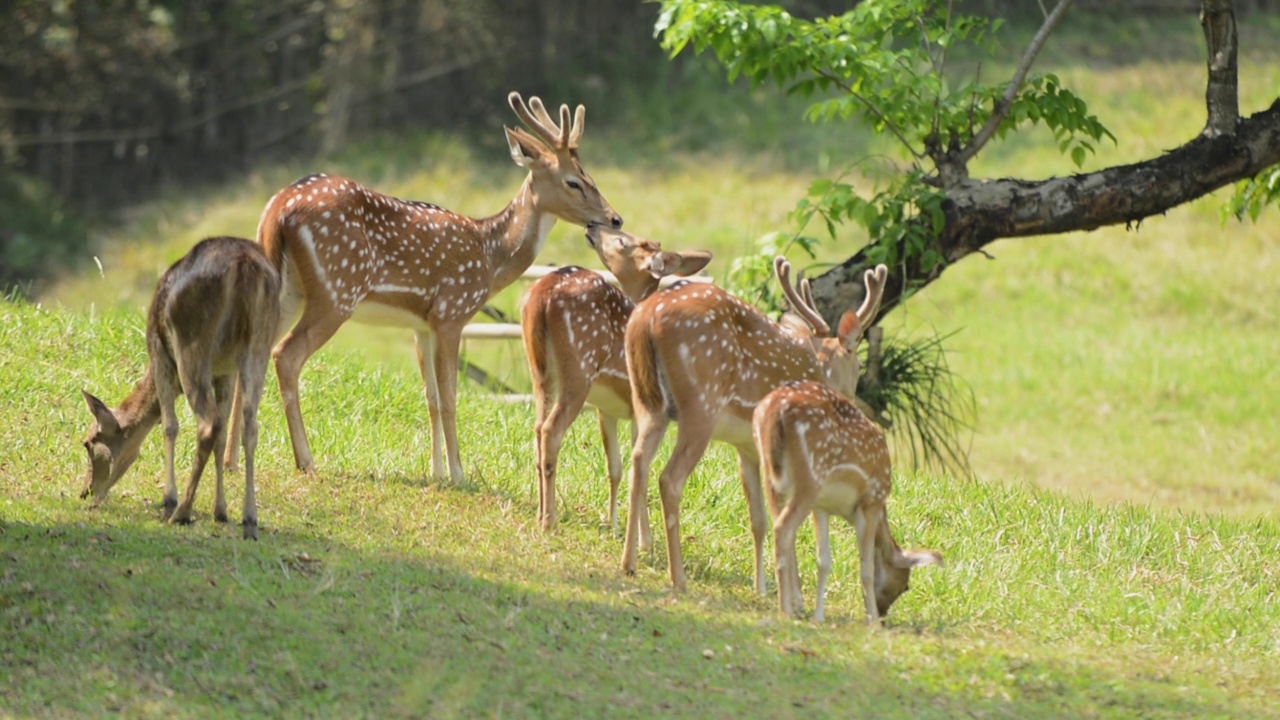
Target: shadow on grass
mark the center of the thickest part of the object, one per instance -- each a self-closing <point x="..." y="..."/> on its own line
<point x="148" y="620"/>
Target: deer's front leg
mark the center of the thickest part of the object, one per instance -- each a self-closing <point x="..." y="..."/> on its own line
<point x="749" y="468"/>
<point x="426" y="342"/>
<point x="448" y="343"/>
<point x="231" y="454"/>
<point x="822" y="531"/>
<point x="167" y="391"/>
<point x="613" y="463"/>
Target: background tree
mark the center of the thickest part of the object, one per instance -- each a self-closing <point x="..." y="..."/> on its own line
<point x="885" y="62"/>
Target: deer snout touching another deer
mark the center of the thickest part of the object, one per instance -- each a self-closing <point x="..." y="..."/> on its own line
<point x="574" y="323"/>
<point x="822" y="456"/>
<point x="212" y="319"/>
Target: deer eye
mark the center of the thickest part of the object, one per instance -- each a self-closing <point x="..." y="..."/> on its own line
<point x="573" y="184"/>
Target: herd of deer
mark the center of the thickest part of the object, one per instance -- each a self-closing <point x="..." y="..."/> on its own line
<point x="330" y="250"/>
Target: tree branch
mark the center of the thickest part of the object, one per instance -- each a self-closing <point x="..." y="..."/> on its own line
<point x="1002" y="109"/>
<point x="874" y="111"/>
<point x="982" y="211"/>
<point x="1221" y="96"/>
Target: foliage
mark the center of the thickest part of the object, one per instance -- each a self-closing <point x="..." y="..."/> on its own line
<point x="885" y="63"/>
<point x="38" y="232"/>
<point x="1252" y="195"/>
<point x="926" y="402"/>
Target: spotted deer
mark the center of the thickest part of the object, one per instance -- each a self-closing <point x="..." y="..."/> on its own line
<point x="211" y="320"/>
<point x="573" y="324"/>
<point x="702" y="357"/>
<point x="346" y="252"/>
<point x="822" y="456"/>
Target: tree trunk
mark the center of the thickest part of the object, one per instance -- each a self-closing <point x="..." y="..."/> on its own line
<point x="979" y="212"/>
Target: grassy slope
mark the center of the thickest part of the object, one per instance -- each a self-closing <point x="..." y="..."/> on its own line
<point x="373" y="593"/>
<point x="1128" y="367"/>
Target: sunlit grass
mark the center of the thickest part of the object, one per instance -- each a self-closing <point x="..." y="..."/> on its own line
<point x="376" y="591"/>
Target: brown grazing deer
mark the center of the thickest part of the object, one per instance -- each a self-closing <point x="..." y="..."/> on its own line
<point x="212" y="320"/>
<point x="574" y="322"/>
<point x="346" y="252"/>
<point x="704" y="358"/>
<point x="822" y="455"/>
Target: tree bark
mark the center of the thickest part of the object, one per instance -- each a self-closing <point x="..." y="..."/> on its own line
<point x="979" y="212"/>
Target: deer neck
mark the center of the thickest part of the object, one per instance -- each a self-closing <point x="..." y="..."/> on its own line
<point x="516" y="235"/>
<point x="140" y="411"/>
<point x="639" y="287"/>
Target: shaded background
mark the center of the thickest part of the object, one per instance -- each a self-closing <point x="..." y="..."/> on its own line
<point x="104" y="102"/>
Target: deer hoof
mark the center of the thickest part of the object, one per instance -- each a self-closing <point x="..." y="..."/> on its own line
<point x="250" y="529"/>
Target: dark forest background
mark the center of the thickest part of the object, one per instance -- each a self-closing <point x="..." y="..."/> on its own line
<point x="102" y="102"/>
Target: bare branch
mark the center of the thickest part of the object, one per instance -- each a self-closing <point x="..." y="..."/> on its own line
<point x="1221" y="94"/>
<point x="989" y="129"/>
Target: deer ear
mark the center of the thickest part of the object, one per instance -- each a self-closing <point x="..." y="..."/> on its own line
<point x="683" y="264"/>
<point x="526" y="151"/>
<point x="106" y="419"/>
<point x="850" y="330"/>
<point x="903" y="559"/>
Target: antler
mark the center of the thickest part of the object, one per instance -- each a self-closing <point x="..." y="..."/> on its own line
<point x="561" y="136"/>
<point x="875" y="282"/>
<point x="802" y="307"/>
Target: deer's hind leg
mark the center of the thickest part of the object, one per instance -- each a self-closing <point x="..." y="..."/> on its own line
<point x="198" y="386"/>
<point x="253" y="372"/>
<point x="224" y="389"/>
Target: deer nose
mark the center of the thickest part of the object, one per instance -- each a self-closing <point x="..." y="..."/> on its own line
<point x="616" y="221"/>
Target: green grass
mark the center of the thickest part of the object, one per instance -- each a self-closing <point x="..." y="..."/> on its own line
<point x="1117" y="553"/>
<point x="375" y="593"/>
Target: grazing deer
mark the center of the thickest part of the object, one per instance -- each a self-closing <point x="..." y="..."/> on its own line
<point x="822" y="455"/>
<point x="702" y="357"/>
<point x="574" y="322"/>
<point x="346" y="252"/>
<point x="211" y="321"/>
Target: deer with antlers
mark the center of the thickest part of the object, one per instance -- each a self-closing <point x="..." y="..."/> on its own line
<point x="574" y="322"/>
<point x="210" y="322"/>
<point x="822" y="455"/>
<point x="346" y="252"/>
<point x="702" y="357"/>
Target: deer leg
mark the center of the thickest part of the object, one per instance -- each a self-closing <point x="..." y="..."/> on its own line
<point x="165" y="375"/>
<point x="313" y="330"/>
<point x="252" y="377"/>
<point x="821" y="530"/>
<point x="425" y="343"/>
<point x="649" y="429"/>
<point x="613" y="463"/>
<point x="539" y="419"/>
<point x="692" y="438"/>
<point x="200" y="396"/>
<point x="230" y="455"/>
<point x="223" y="391"/>
<point x="749" y="469"/>
<point x="562" y="414"/>
<point x="448" y="343"/>
<point x="866" y="520"/>
<point x="785" y="563"/>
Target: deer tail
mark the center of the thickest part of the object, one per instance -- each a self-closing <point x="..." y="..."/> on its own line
<point x="642" y="365"/>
